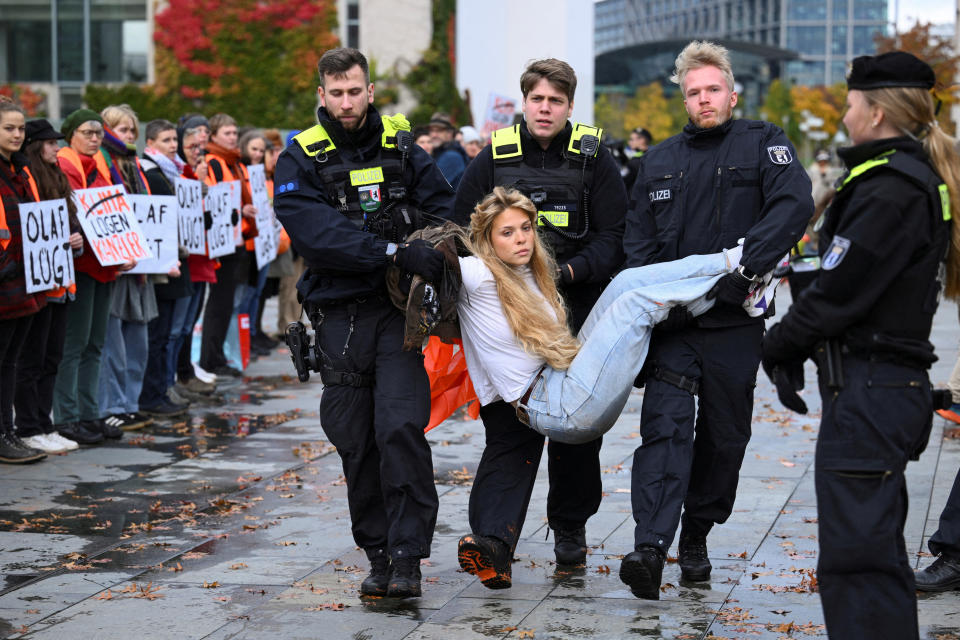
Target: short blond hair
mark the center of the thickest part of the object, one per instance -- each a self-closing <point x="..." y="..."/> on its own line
<point x="702" y="53"/>
<point x="115" y="113"/>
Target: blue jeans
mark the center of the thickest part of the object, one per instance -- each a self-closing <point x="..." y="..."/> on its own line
<point x="123" y="366"/>
<point x="182" y="333"/>
<point x="583" y="402"/>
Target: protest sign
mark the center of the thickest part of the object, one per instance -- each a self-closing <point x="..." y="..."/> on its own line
<point x="190" y="215"/>
<point x="236" y="201"/>
<point x="47" y="257"/>
<point x="157" y="216"/>
<point x="110" y="226"/>
<point x="499" y="114"/>
<point x="265" y="244"/>
<point x="220" y="234"/>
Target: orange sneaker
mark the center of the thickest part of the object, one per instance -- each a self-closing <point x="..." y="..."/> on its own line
<point x="487" y="558"/>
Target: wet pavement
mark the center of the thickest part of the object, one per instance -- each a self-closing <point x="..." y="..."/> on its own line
<point x="233" y="523"/>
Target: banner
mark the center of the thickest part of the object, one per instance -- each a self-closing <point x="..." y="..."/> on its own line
<point x="219" y="203"/>
<point x="110" y="226"/>
<point x="190" y="215"/>
<point x="47" y="257"/>
<point x="499" y="114"/>
<point x="265" y="244"/>
<point x="157" y="216"/>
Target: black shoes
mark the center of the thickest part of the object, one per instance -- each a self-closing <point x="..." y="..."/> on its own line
<point x="227" y="371"/>
<point x="487" y="558"/>
<point x="127" y="421"/>
<point x="694" y="564"/>
<point x="111" y="431"/>
<point x="404" y="578"/>
<point x="942" y="575"/>
<point x="642" y="571"/>
<point x="163" y="409"/>
<point x="78" y="433"/>
<point x="376" y="583"/>
<point x="14" y="451"/>
<point x="570" y="546"/>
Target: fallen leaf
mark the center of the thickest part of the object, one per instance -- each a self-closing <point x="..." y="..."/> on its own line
<point x="742" y="554"/>
<point x="239" y="565"/>
<point x="525" y="633"/>
<point x="106" y="595"/>
<point x="210" y="585"/>
<point x="787" y="463"/>
<point x="285" y="543"/>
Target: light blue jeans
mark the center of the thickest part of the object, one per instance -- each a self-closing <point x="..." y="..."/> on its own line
<point x="582" y="403"/>
<point x="123" y="366"/>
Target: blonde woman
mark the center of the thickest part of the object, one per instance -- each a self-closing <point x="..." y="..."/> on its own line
<point x="518" y="349"/>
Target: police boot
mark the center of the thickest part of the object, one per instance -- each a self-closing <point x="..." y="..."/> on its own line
<point x="942" y="575"/>
<point x="694" y="564"/>
<point x="375" y="584"/>
<point x="642" y="571"/>
<point x="487" y="558"/>
<point x="404" y="578"/>
<point x="570" y="546"/>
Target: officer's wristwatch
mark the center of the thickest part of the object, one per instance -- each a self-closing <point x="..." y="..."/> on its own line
<point x="391" y="249"/>
<point x="746" y="273"/>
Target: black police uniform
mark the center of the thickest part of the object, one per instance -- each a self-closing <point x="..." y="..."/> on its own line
<point x="508" y="468"/>
<point x="376" y="399"/>
<point x="866" y="320"/>
<point x="697" y="193"/>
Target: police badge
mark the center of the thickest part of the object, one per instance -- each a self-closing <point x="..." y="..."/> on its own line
<point x="780" y="154"/>
<point x="835" y="253"/>
<point x="369" y="197"/>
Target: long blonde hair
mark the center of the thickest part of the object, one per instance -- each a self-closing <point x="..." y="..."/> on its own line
<point x="539" y="333"/>
<point x="911" y="111"/>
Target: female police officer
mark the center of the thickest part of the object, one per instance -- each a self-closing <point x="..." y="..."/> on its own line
<point x="866" y="320"/>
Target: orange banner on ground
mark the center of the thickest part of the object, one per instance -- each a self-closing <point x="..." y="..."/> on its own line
<point x="450" y="384"/>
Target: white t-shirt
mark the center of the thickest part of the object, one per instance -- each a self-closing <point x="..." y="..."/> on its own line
<point x="499" y="367"/>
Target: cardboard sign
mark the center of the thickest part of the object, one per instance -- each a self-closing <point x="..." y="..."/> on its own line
<point x="236" y="201"/>
<point x="47" y="257"/>
<point x="219" y="203"/>
<point x="265" y="244"/>
<point x="110" y="226"/>
<point x="157" y="216"/>
<point x="190" y="215"/>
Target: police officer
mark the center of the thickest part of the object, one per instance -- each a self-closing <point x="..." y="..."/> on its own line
<point x="866" y="321"/>
<point x="348" y="190"/>
<point x="700" y="191"/>
<point x="576" y="185"/>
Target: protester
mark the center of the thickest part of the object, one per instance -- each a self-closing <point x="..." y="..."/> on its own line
<point x="421" y="137"/>
<point x="450" y="157"/>
<point x="866" y="320"/>
<point x="472" y="141"/>
<point x="37" y="366"/>
<point x="17" y="307"/>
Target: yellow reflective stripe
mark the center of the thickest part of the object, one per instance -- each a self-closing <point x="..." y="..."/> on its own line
<point x="360" y="177"/>
<point x="506" y="143"/>
<point x="944" y="200"/>
<point x="391" y="125"/>
<point x="556" y="218"/>
<point x="311" y="136"/>
<point x="863" y="167"/>
<point x="580" y="130"/>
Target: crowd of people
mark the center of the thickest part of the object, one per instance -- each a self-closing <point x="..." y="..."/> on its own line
<point x="574" y="277"/>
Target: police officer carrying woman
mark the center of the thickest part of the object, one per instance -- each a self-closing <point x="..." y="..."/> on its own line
<point x="866" y="321"/>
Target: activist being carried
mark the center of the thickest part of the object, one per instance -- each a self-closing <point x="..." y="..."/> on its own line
<point x="519" y="349"/>
<point x="348" y="191"/>
<point x="866" y="320"/>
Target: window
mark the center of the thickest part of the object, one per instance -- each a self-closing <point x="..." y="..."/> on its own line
<point x="353" y="24"/>
<point x="810" y="40"/>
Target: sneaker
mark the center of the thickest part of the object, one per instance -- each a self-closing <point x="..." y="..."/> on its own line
<point x="78" y="433"/>
<point x="194" y="397"/>
<point x="570" y="546"/>
<point x="14" y="451"/>
<point x="376" y="583"/>
<point x="952" y="414"/>
<point x="163" y="409"/>
<point x="42" y="443"/>
<point x="694" y="563"/>
<point x="66" y="443"/>
<point x="203" y="374"/>
<point x="137" y="421"/>
<point x="942" y="575"/>
<point x="487" y="558"/>
<point x="176" y="399"/>
<point x="404" y="578"/>
<point x="642" y="571"/>
<point x="196" y="385"/>
<point x="120" y="421"/>
<point x="109" y="430"/>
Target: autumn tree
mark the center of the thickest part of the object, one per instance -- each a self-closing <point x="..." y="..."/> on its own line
<point x="826" y="103"/>
<point x="648" y="107"/>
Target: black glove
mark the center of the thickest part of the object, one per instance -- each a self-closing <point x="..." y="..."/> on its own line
<point x="565" y="276"/>
<point x="420" y="258"/>
<point x="678" y="318"/>
<point x="207" y="220"/>
<point x="731" y="289"/>
<point x="788" y="378"/>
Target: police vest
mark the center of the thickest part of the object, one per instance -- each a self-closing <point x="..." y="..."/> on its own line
<point x="561" y="194"/>
<point x="372" y="194"/>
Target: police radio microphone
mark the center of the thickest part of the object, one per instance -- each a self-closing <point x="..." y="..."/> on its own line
<point x="589" y="145"/>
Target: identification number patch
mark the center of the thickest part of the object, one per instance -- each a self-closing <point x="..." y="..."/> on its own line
<point x="661" y="195"/>
<point x="780" y="154"/>
<point x="835" y="253"/>
<point x="360" y="177"/>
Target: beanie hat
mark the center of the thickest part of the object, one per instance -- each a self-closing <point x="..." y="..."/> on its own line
<point x="77" y="118"/>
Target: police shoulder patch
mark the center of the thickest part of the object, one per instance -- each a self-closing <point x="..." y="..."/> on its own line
<point x="835" y="253"/>
<point x="780" y="154"/>
<point x="287" y="187"/>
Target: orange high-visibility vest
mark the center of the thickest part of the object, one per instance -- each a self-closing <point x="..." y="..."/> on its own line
<point x="71" y="156"/>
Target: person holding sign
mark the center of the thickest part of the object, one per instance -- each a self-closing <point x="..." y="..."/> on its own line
<point x="17" y="307"/>
<point x="76" y="409"/>
<point x="37" y="366"/>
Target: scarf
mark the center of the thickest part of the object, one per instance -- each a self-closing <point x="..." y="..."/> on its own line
<point x="172" y="169"/>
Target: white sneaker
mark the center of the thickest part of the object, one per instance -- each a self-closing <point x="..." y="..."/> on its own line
<point x="40" y="442"/>
<point x="203" y="374"/>
<point x="66" y="443"/>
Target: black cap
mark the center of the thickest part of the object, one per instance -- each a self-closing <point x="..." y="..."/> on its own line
<point x="40" y="130"/>
<point x="892" y="69"/>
